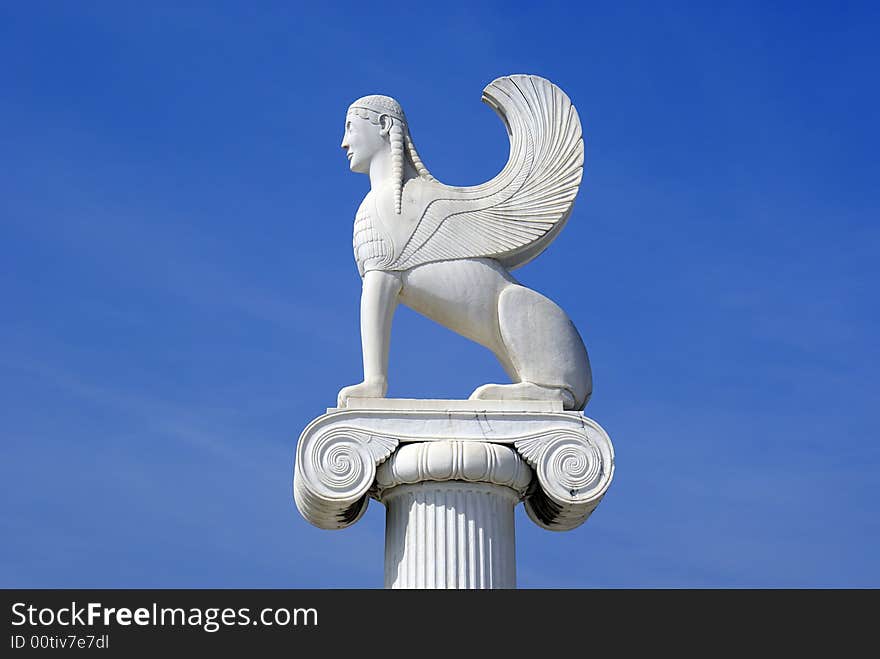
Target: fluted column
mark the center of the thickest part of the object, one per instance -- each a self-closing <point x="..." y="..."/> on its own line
<point x="450" y="520"/>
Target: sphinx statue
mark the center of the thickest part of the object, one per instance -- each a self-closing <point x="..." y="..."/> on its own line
<point x="447" y="251"/>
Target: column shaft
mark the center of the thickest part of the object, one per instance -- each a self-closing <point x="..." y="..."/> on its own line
<point x="450" y="534"/>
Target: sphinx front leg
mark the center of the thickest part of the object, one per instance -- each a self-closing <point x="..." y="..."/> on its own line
<point x="379" y="298"/>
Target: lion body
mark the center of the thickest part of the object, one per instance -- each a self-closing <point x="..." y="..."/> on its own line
<point x="533" y="338"/>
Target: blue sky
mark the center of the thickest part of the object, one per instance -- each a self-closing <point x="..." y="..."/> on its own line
<point x="180" y="297"/>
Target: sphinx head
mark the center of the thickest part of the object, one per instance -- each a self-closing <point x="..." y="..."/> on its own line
<point x="368" y="125"/>
<point x="375" y="125"/>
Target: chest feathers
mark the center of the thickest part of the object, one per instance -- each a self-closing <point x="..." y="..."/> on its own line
<point x="373" y="249"/>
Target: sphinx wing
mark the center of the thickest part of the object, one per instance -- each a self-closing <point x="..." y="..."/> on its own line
<point x="517" y="214"/>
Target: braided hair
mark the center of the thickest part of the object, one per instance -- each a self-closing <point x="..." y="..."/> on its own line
<point x="372" y="108"/>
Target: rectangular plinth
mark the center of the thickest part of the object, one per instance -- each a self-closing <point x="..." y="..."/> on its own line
<point x="440" y="405"/>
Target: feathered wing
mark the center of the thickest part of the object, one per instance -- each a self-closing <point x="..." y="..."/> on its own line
<point x="517" y="214"/>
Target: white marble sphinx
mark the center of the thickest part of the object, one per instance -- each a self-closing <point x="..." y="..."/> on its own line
<point x="451" y="472"/>
<point x="447" y="251"/>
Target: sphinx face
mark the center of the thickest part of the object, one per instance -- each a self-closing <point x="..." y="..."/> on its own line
<point x="362" y="141"/>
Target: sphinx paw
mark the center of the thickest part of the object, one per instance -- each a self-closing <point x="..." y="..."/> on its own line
<point x="524" y="391"/>
<point x="375" y="388"/>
